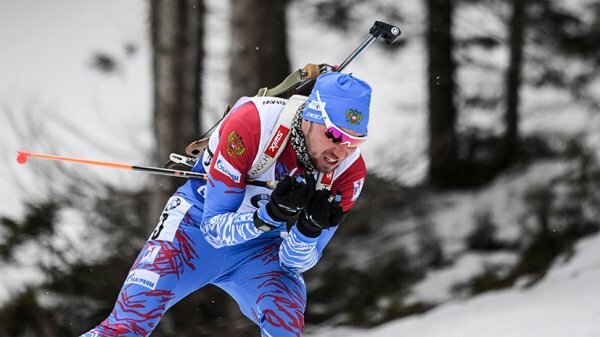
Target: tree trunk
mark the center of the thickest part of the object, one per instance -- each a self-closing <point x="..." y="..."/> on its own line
<point x="513" y="82"/>
<point x="259" y="54"/>
<point x="442" y="110"/>
<point x="177" y="43"/>
<point x="259" y="58"/>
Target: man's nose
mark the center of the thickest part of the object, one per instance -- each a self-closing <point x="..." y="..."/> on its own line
<point x="340" y="151"/>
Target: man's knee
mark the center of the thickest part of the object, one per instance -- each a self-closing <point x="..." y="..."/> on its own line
<point x="282" y="318"/>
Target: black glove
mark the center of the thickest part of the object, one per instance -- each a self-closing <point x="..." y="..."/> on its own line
<point x="323" y="211"/>
<point x="287" y="200"/>
<point x="291" y="196"/>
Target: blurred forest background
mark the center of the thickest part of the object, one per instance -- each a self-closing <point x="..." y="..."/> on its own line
<point x="549" y="46"/>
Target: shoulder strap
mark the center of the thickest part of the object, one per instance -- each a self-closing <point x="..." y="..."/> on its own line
<point x="278" y="138"/>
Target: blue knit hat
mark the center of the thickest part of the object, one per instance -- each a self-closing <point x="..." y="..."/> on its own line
<point x="346" y="100"/>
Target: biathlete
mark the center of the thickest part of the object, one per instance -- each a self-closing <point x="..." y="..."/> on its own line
<point x="251" y="241"/>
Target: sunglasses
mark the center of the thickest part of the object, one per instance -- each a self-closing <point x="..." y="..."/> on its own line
<point x="336" y="134"/>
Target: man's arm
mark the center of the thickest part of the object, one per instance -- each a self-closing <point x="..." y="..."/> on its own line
<point x="303" y="247"/>
<point x="226" y="186"/>
<point x="299" y="253"/>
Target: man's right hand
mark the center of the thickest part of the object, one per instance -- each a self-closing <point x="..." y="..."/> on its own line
<point x="291" y="196"/>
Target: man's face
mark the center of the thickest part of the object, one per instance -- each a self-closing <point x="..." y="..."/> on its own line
<point x="324" y="153"/>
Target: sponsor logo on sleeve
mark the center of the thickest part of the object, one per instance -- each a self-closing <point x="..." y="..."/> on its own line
<point x="358" y="185"/>
<point x="277" y="141"/>
<point x="150" y="254"/>
<point x="145" y="278"/>
<point x="227" y="169"/>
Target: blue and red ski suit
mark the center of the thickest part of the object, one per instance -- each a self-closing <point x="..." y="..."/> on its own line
<point x="206" y="235"/>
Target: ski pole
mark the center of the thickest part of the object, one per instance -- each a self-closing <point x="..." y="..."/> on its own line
<point x="23" y="156"/>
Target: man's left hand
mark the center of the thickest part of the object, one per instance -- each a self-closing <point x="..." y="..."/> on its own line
<point x="323" y="211"/>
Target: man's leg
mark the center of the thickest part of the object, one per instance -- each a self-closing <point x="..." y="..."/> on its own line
<point x="174" y="262"/>
<point x="272" y="298"/>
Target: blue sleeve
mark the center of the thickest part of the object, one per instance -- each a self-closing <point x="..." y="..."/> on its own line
<point x="221" y="224"/>
<point x="298" y="253"/>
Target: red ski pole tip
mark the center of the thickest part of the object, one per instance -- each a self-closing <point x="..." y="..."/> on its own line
<point x="22" y="157"/>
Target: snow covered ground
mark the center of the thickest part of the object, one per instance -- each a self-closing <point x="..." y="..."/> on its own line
<point x="47" y="79"/>
<point x="565" y="303"/>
